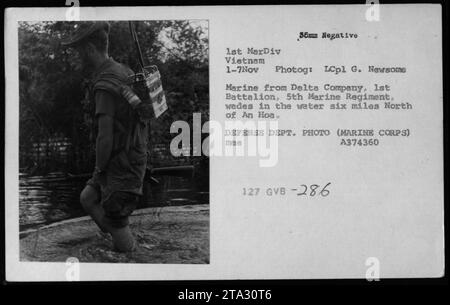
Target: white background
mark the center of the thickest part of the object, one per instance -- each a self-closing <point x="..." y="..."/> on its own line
<point x="385" y="202"/>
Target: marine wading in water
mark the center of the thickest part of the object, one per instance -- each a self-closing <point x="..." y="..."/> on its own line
<point x="124" y="104"/>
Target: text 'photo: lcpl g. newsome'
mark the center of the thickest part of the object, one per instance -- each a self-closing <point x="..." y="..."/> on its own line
<point x="100" y="177"/>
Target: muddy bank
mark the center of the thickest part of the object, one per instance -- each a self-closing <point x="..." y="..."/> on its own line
<point x="172" y="235"/>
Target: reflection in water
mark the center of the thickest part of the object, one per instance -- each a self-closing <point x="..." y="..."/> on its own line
<point x="54" y="197"/>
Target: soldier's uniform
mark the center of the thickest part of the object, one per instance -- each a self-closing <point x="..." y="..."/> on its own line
<point x="120" y="183"/>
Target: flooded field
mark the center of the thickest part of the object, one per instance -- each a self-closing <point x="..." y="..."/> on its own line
<point x="164" y="235"/>
<point x="55" y="197"/>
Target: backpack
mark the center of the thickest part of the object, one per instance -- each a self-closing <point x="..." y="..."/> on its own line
<point x="143" y="91"/>
<point x="145" y="94"/>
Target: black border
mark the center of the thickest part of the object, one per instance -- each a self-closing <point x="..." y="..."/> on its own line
<point x="280" y="288"/>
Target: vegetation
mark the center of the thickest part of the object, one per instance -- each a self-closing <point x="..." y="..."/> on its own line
<point x="52" y="102"/>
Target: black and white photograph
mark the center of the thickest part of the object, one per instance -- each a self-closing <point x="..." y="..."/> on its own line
<point x="216" y="143"/>
<point x="98" y="180"/>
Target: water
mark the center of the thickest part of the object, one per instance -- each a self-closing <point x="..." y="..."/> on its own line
<point x="55" y="197"/>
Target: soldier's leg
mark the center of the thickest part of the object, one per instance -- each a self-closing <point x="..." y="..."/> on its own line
<point x="117" y="208"/>
<point x="90" y="201"/>
<point x="123" y="239"/>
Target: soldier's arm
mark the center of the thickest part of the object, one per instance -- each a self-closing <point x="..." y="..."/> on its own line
<point x="105" y="115"/>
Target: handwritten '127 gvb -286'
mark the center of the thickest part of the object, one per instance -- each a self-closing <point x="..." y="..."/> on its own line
<point x="307" y="190"/>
